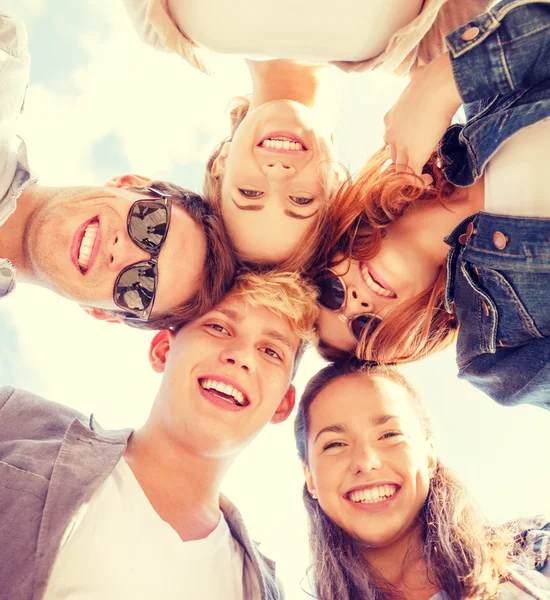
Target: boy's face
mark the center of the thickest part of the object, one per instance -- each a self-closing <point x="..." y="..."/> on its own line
<point x="226" y="375"/>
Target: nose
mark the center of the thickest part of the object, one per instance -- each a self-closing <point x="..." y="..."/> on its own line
<point x="278" y="170"/>
<point x="365" y="459"/>
<point x="123" y="252"/>
<point x="357" y="302"/>
<point x="242" y="355"/>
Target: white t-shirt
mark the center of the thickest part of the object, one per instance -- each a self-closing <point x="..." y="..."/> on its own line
<point x="120" y="548"/>
<point x="315" y="30"/>
<point x="516" y="178"/>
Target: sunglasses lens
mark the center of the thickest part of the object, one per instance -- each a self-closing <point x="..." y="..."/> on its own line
<point x="331" y="291"/>
<point x="362" y="322"/>
<point x="135" y="287"/>
<point x="147" y="224"/>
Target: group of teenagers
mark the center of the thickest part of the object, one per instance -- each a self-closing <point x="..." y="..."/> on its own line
<point x="444" y="235"/>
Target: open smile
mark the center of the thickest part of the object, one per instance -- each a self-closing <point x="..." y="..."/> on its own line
<point x="375" y="284"/>
<point x="283" y="142"/>
<point x="223" y="392"/>
<point x="373" y="497"/>
<point x="86" y="244"/>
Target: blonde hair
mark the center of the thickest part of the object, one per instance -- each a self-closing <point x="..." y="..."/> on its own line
<point x="306" y="254"/>
<point x="284" y="293"/>
<point x="362" y="210"/>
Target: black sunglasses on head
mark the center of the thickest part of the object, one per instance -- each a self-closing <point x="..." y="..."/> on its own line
<point x="333" y="295"/>
<point x="136" y="285"/>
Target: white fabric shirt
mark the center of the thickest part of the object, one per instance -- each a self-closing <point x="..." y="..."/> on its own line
<point x="314" y="30"/>
<point x="14" y="169"/>
<point x="516" y="178"/>
<point x="119" y="547"/>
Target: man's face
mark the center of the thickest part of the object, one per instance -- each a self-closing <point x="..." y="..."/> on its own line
<point x="226" y="375"/>
<point x="59" y="228"/>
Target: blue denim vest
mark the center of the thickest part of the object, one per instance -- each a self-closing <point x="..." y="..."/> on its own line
<point x="498" y="267"/>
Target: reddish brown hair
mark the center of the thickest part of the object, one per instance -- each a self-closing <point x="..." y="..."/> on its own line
<point x="359" y="215"/>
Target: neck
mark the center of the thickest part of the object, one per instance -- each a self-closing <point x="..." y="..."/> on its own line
<point x="14" y="230"/>
<point x="401" y="564"/>
<point x="181" y="486"/>
<point x="280" y="79"/>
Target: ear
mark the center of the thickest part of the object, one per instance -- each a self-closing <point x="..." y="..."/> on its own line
<point x="432" y="456"/>
<point x="285" y="407"/>
<point x="101" y="315"/>
<point x="218" y="166"/>
<point x="310" y="484"/>
<point x="129" y="180"/>
<point x="158" y="349"/>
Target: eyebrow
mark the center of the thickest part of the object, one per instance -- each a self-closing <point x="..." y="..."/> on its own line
<point x="233" y="315"/>
<point x="276" y="335"/>
<point x="257" y="207"/>
<point x="376" y="422"/>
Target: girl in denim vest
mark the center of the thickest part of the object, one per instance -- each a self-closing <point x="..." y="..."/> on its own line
<point x="463" y="246"/>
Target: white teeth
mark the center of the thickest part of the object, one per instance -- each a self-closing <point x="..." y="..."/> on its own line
<point x="372" y="495"/>
<point x="282" y="143"/>
<point x="87" y="244"/>
<point x="375" y="287"/>
<point x="225" y="388"/>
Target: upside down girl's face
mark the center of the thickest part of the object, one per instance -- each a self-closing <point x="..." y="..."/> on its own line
<point x="279" y="172"/>
<point x="369" y="462"/>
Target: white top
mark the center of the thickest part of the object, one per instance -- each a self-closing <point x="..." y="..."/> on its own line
<point x="14" y="170"/>
<point x="516" y="178"/>
<point x="119" y="547"/>
<point x="312" y="30"/>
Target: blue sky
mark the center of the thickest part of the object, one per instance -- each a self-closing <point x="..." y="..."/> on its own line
<point x="99" y="104"/>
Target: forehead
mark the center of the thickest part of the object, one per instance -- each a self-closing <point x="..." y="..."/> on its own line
<point x="356" y="399"/>
<point x="258" y="320"/>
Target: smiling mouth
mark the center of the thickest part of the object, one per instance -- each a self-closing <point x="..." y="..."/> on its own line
<point x="224" y="391"/>
<point x="283" y="142"/>
<point x="372" y="495"/>
<point x="378" y="287"/>
<point x="87" y="245"/>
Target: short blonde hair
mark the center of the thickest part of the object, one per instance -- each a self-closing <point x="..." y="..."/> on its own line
<point x="285" y="293"/>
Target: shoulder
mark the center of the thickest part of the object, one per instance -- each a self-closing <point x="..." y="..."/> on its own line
<point x="32" y="428"/>
<point x="532" y="537"/>
<point x="13" y="35"/>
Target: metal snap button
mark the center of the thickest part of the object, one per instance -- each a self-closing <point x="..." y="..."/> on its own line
<point x="5" y="272"/>
<point x="470" y="34"/>
<point x="499" y="240"/>
<point x="466" y="236"/>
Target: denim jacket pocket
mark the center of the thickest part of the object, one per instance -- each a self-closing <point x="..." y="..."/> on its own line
<point x="515" y="323"/>
<point x="476" y="314"/>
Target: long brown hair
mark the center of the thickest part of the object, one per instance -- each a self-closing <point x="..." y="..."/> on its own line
<point x="307" y="252"/>
<point x="463" y="555"/>
<point x="359" y="215"/>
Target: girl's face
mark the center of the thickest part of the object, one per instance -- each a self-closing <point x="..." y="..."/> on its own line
<point x="369" y="462"/>
<point x="279" y="172"/>
<point x="402" y="269"/>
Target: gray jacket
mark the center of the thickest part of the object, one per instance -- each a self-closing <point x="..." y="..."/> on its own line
<point x="52" y="459"/>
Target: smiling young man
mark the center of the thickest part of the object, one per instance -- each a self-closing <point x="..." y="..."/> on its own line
<point x="121" y="514"/>
<point x="134" y="249"/>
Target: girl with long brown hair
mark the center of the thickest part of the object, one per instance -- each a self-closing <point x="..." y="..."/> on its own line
<point x="387" y="520"/>
<point x="460" y="246"/>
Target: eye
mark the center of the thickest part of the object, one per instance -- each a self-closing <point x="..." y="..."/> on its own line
<point x="301" y="201"/>
<point x="333" y="445"/>
<point x="390" y="434"/>
<point x="272" y="353"/>
<point x="217" y="327"/>
<point x="250" y="193"/>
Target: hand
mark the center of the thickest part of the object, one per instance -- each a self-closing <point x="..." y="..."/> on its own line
<point x="421" y="116"/>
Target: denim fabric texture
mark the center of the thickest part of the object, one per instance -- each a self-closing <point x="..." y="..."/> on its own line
<point x="503" y="75"/>
<point x="500" y="297"/>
